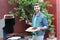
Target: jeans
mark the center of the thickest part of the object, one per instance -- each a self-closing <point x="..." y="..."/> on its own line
<point x="35" y="37"/>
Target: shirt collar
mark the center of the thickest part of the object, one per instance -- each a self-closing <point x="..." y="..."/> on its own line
<point x="38" y="14"/>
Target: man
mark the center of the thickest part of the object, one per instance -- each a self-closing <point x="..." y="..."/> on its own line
<point x="39" y="21"/>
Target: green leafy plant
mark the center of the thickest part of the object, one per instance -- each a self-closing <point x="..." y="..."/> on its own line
<point x="25" y="8"/>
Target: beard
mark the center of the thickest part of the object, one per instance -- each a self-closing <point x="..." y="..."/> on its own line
<point x="37" y="11"/>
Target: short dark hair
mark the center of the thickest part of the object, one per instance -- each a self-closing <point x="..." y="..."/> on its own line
<point x="36" y="4"/>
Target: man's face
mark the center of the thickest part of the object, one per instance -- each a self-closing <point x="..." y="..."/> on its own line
<point x="37" y="8"/>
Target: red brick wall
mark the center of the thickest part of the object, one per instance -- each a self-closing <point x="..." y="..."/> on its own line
<point x="4" y="9"/>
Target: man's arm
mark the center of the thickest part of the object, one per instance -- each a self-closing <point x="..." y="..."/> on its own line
<point x="45" y="25"/>
<point x="43" y="28"/>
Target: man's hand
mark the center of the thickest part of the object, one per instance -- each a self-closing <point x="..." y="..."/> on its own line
<point x="38" y="29"/>
<point x="28" y="22"/>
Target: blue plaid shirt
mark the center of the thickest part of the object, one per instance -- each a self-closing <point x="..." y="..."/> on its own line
<point x="40" y="21"/>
